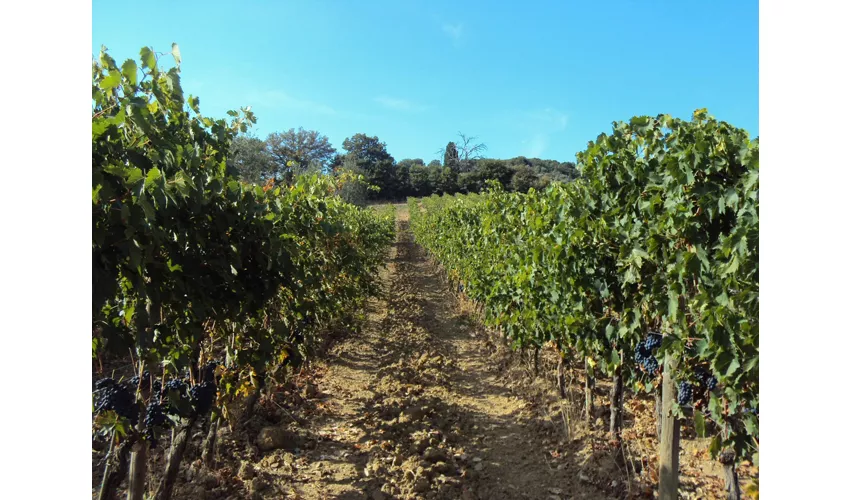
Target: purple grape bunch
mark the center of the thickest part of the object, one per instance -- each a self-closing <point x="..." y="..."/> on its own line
<point x="686" y="393"/>
<point x="706" y="379"/>
<point x="111" y="396"/>
<point x="202" y="397"/>
<point x="644" y="353"/>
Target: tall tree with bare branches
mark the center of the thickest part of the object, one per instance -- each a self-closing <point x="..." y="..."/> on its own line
<point x="461" y="156"/>
<point x="468" y="151"/>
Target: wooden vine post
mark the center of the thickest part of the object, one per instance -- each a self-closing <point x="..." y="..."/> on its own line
<point x="536" y="361"/>
<point x="730" y="473"/>
<point x="175" y="456"/>
<point x="668" y="460"/>
<point x="730" y="476"/>
<point x="658" y="412"/>
<point x="562" y="378"/>
<point x="208" y="446"/>
<point x="139" y="456"/>
<point x="589" y="383"/>
<point x="616" y="422"/>
<point x="116" y="467"/>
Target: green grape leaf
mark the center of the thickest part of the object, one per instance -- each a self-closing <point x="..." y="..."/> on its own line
<point x="148" y="58"/>
<point x="714" y="447"/>
<point x="130" y="71"/>
<point x="111" y="81"/>
<point x="699" y="423"/>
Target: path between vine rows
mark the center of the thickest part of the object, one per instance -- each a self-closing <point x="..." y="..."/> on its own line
<point x="413" y="407"/>
<point x="421" y="403"/>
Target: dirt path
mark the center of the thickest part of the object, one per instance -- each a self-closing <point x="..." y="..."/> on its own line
<point x="413" y="407"/>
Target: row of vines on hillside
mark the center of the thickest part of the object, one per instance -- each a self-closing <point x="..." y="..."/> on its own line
<point x="211" y="283"/>
<point x="646" y="267"/>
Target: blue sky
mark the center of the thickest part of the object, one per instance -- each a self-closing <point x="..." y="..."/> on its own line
<point x="531" y="78"/>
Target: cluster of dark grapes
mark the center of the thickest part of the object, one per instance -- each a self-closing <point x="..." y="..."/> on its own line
<point x="133" y="382"/>
<point x="176" y="388"/>
<point x="103" y="383"/>
<point x="686" y="393"/>
<point x="699" y="394"/>
<point x="175" y="384"/>
<point x="706" y="382"/>
<point x="202" y="397"/>
<point x="155" y="417"/>
<point x="705" y="379"/>
<point x="653" y="341"/>
<point x="165" y="399"/>
<point x="203" y="394"/>
<point x="111" y="396"/>
<point x="643" y="354"/>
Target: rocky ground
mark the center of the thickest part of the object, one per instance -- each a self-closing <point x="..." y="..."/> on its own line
<point x="424" y="403"/>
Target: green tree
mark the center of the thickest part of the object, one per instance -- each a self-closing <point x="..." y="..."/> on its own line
<point x="367" y="149"/>
<point x="404" y="169"/>
<point x="407" y="162"/>
<point x="250" y="157"/>
<point x="494" y="169"/>
<point x="370" y="156"/>
<point x="469" y="182"/>
<point x="450" y="157"/>
<point x="297" y="151"/>
<point x="402" y="180"/>
<point x="352" y="189"/>
<point x="445" y="180"/>
<point x="524" y="179"/>
<point x="555" y="170"/>
<point x="542" y="182"/>
<point x="434" y="163"/>
<point x="420" y="181"/>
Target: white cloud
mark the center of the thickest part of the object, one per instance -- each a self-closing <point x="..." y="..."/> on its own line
<point x="398" y="104"/>
<point x="281" y="99"/>
<point x="455" y="31"/>
<point x="541" y="125"/>
<point x="538" y="145"/>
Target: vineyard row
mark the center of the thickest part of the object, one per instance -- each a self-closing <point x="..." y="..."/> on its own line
<point x="646" y="267"/>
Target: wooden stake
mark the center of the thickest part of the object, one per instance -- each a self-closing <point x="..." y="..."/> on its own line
<point x="668" y="460"/>
<point x="172" y="466"/>
<point x="616" y="406"/>
<point x="589" y="383"/>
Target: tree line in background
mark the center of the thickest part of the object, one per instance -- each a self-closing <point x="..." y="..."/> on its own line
<point x="464" y="169"/>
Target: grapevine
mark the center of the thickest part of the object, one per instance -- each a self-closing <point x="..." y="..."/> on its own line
<point x="185" y="255"/>
<point x="654" y="250"/>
